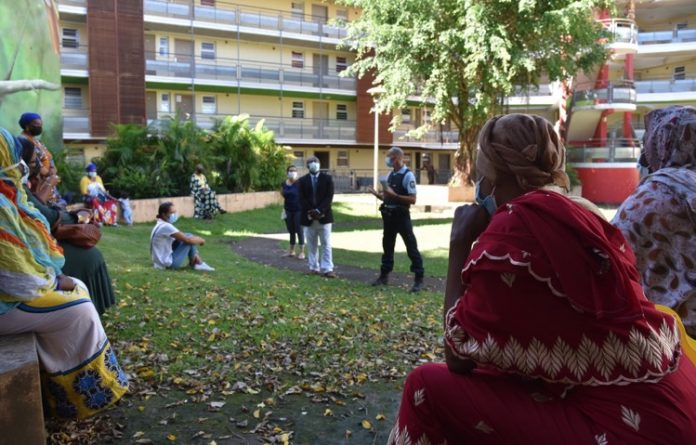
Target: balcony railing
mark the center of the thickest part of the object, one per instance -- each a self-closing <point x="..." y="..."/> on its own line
<point x="608" y="150"/>
<point x="621" y="30"/>
<point x="74" y="58"/>
<point x="665" y="85"/>
<point x="283" y="127"/>
<point x="622" y="91"/>
<point x="234" y="70"/>
<point x="544" y="89"/>
<point x="246" y="17"/>
<point x="76" y="120"/>
<point x="73" y="2"/>
<point x="431" y="137"/>
<point x="673" y="36"/>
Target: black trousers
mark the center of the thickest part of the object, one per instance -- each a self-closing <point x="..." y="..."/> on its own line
<point x="397" y="221"/>
<point x="292" y="222"/>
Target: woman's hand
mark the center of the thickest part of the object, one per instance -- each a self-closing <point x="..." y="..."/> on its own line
<point x="456" y="364"/>
<point x="64" y="282"/>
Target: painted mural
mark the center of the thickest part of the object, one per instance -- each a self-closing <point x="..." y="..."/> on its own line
<point x="30" y="66"/>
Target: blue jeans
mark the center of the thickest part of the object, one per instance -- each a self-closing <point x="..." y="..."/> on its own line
<point x="180" y="252"/>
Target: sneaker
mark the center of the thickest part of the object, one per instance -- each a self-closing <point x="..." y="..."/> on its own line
<point x="301" y="256"/>
<point x="203" y="267"/>
<point x="417" y="286"/>
<point x="382" y="280"/>
<point x="331" y="274"/>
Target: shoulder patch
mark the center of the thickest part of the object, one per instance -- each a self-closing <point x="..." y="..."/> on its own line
<point x="412" y="184"/>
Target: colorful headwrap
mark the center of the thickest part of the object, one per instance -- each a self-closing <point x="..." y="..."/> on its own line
<point x="30" y="258"/>
<point x="26" y="118"/>
<point x="670" y="137"/>
<point x="525" y="146"/>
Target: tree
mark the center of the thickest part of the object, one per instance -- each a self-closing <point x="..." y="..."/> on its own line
<point x="463" y="57"/>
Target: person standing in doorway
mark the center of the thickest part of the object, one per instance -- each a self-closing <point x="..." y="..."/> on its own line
<point x="316" y="196"/>
<point x="398" y="194"/>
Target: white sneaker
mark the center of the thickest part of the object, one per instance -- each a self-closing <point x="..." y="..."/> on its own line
<point x="203" y="267"/>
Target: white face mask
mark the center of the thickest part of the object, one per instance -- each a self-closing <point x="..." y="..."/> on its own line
<point x="23" y="170"/>
<point x="313" y="167"/>
<point x="92" y="174"/>
<point x="292" y="175"/>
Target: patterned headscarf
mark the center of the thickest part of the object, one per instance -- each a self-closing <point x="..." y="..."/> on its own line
<point x="30" y="258"/>
<point x="670" y="137"/>
<point x="525" y="146"/>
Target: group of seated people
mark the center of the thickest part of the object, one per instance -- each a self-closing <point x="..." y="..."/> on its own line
<point x="552" y="333"/>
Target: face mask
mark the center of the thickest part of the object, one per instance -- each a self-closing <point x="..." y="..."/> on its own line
<point x="389" y="162"/>
<point x="292" y="175"/>
<point x="488" y="202"/>
<point x="173" y="217"/>
<point x="13" y="167"/>
<point x="92" y="174"/>
<point x="313" y="167"/>
<point x="25" y="171"/>
<point x="35" y="131"/>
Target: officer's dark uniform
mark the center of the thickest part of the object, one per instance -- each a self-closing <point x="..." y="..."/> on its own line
<point x="396" y="218"/>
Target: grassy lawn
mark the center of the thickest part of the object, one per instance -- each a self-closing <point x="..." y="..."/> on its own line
<point x="294" y="358"/>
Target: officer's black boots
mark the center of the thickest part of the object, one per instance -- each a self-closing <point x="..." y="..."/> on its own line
<point x="417" y="284"/>
<point x="382" y="280"/>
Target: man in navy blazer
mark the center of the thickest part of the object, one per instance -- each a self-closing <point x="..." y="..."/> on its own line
<point x="316" y="196"/>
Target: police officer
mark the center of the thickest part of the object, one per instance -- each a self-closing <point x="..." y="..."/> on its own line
<point x="398" y="194"/>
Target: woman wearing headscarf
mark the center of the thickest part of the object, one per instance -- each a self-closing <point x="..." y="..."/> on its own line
<point x="548" y="336"/>
<point x="104" y="206"/>
<point x="84" y="263"/>
<point x="205" y="203"/>
<point x="80" y="373"/>
<point x="659" y="218"/>
<point x="47" y="180"/>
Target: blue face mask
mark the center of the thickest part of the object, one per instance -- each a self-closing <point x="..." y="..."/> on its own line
<point x="173" y="217"/>
<point x="488" y="202"/>
<point x="389" y="162"/>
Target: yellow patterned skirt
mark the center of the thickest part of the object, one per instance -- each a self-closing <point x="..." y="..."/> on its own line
<point x="80" y="374"/>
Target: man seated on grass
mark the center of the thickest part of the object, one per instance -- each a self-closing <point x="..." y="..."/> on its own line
<point x="169" y="247"/>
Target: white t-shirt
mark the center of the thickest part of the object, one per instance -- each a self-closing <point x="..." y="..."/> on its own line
<point x="161" y="244"/>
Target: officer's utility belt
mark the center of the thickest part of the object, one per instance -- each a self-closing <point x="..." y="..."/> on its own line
<point x="393" y="210"/>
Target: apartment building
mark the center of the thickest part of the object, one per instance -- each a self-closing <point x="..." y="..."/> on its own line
<point x="148" y="60"/>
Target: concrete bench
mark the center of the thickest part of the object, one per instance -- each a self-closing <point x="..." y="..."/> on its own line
<point x="21" y="410"/>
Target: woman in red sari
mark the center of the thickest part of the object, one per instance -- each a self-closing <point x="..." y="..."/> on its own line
<point x="549" y="338"/>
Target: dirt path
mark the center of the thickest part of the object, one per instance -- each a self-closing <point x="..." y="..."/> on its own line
<point x="268" y="251"/>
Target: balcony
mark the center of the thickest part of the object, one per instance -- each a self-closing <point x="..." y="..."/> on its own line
<point x="245" y="17"/>
<point x="616" y="95"/>
<point x="76" y="122"/>
<point x="661" y="37"/>
<point x="431" y="139"/>
<point x="615" y="150"/>
<point x="235" y="71"/>
<point x="665" y="85"/>
<point x="543" y="95"/>
<point x="623" y="36"/>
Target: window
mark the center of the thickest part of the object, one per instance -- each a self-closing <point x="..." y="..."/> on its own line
<point x="73" y="98"/>
<point x="299" y="159"/>
<point x="209" y="106"/>
<point x="298" y="110"/>
<point x="342" y="112"/>
<point x="679" y="73"/>
<point x="406" y="115"/>
<point x="208" y="51"/>
<point x="71" y="38"/>
<point x="341" y="64"/>
<point x="407" y="159"/>
<point x="165" y="105"/>
<point x="297" y="60"/>
<point x="298" y="10"/>
<point x="342" y="16"/>
<point x="342" y="159"/>
<point x="210" y="3"/>
<point x="164" y="46"/>
<point x="680" y="26"/>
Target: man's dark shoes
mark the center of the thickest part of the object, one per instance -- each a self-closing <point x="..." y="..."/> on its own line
<point x="417" y="285"/>
<point x="382" y="280"/>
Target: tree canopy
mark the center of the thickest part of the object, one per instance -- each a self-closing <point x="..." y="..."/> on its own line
<point x="446" y="50"/>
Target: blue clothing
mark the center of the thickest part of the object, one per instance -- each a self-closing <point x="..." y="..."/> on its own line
<point x="181" y="252"/>
<point x="409" y="181"/>
<point x="291" y="193"/>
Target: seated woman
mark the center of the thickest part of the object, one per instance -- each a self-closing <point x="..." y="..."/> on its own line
<point x="205" y="203"/>
<point x="659" y="218"/>
<point x="171" y="248"/>
<point x="84" y="263"/>
<point x="548" y="336"/>
<point x="80" y="373"/>
<point x="104" y="205"/>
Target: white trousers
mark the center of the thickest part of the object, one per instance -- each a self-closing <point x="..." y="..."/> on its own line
<point x="313" y="235"/>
